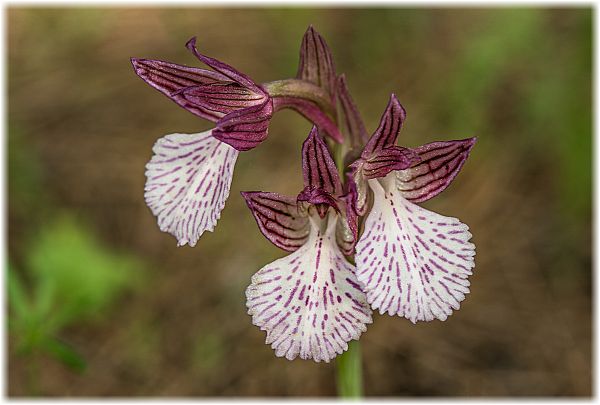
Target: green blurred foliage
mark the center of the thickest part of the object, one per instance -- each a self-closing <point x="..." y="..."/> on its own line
<point x="73" y="278"/>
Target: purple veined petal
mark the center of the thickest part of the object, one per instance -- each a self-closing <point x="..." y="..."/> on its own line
<point x="354" y="123"/>
<point x="170" y="79"/>
<point x="279" y="219"/>
<point x="247" y="128"/>
<point x="224" y="68"/>
<point x="221" y="99"/>
<point x="316" y="62"/>
<point x="318" y="167"/>
<point x="389" y="159"/>
<point x="439" y="165"/>
<point x="188" y="181"/>
<point x="309" y="303"/>
<point x="311" y="112"/>
<point x="412" y="262"/>
<point x="388" y="130"/>
<point x="319" y="198"/>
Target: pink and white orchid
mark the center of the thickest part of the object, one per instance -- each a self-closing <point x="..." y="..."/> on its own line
<point x="412" y="262"/>
<point x="309" y="302"/>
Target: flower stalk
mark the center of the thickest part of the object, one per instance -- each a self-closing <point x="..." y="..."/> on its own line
<point x="349" y="372"/>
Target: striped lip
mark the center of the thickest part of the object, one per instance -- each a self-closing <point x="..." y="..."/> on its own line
<point x="188" y="182"/>
<point x="412" y="262"/>
<point x="310" y="303"/>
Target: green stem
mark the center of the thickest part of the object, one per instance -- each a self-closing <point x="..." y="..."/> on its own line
<point x="296" y="88"/>
<point x="349" y="372"/>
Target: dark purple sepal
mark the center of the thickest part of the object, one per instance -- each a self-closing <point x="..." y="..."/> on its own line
<point x="318" y="167"/>
<point x="278" y="219"/>
<point x="439" y="165"/>
<point x="316" y="62"/>
<point x="220" y="99"/>
<point x="311" y="112"/>
<point x="386" y="160"/>
<point x="319" y="198"/>
<point x="245" y="129"/>
<point x="354" y="124"/>
<point x="224" y="68"/>
<point x="388" y="130"/>
<point x="170" y="79"/>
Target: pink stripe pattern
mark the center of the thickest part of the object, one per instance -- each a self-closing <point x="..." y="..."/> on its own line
<point x="188" y="182"/>
<point x="412" y="262"/>
<point x="310" y="302"/>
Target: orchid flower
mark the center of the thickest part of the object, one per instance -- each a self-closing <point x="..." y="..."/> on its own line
<point x="309" y="302"/>
<point x="411" y="262"/>
<point x="189" y="175"/>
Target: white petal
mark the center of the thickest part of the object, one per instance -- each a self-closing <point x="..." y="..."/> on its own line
<point x="188" y="181"/>
<point x="413" y="262"/>
<point x="309" y="303"/>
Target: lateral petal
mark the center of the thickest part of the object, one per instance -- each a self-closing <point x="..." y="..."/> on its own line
<point x="188" y="181"/>
<point x="279" y="219"/>
<point x="247" y="128"/>
<point x="389" y="128"/>
<point x="309" y="303"/>
<point x="439" y="165"/>
<point x="412" y="262"/>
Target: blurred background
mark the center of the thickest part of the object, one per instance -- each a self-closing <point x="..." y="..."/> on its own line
<point x="101" y="303"/>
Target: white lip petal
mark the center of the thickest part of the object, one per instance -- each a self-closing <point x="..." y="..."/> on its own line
<point x="413" y="262"/>
<point x="309" y="303"/>
<point x="188" y="181"/>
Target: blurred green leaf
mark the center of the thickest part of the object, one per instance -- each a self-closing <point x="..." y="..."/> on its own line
<point x="65" y="353"/>
<point x="17" y="298"/>
<point x="76" y="276"/>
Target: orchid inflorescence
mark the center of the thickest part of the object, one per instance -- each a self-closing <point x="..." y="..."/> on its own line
<point x="407" y="261"/>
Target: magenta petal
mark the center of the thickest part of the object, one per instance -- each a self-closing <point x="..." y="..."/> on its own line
<point x="316" y="63"/>
<point x="347" y="230"/>
<point x="223" y="68"/>
<point x="247" y="128"/>
<point x="439" y="165"/>
<point x="311" y="112"/>
<point x="388" y="130"/>
<point x="170" y="79"/>
<point x="387" y="160"/>
<point x="354" y="124"/>
<point x="278" y="218"/>
<point x="221" y="99"/>
<point x="318" y="197"/>
<point x="318" y="167"/>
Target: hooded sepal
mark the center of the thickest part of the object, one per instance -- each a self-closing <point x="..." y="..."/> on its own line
<point x="316" y="62"/>
<point x="439" y="164"/>
<point x="318" y="198"/>
<point x="389" y="128"/>
<point x="223" y="68"/>
<point x="247" y="128"/>
<point x="171" y="79"/>
<point x="279" y="218"/>
<point x="318" y="167"/>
